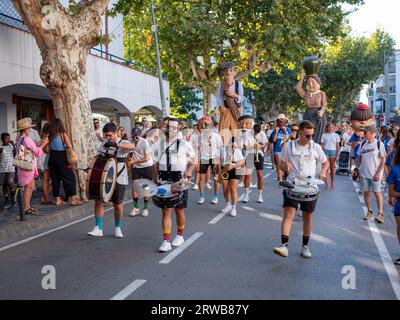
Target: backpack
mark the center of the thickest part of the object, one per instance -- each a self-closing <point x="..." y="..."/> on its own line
<point x="24" y="158"/>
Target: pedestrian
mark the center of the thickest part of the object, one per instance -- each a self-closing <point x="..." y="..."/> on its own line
<point x="330" y="144"/>
<point x="394" y="192"/>
<point x="300" y="158"/>
<point x="123" y="148"/>
<point x="7" y="170"/>
<point x="27" y="178"/>
<point x="370" y="165"/>
<point x="98" y="132"/>
<point x="194" y="141"/>
<point x="46" y="172"/>
<point x="175" y="162"/>
<point x="61" y="172"/>
<point x="232" y="161"/>
<point x="280" y="132"/>
<point x="385" y="137"/>
<point x="270" y="148"/>
<point x="142" y="168"/>
<point x="147" y="126"/>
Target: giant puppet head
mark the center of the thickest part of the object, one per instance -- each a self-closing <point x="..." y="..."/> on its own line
<point x="205" y="122"/>
<point x="245" y="122"/>
<point x="361" y="117"/>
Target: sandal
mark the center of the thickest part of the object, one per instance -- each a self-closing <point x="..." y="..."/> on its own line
<point x="34" y="209"/>
<point x="77" y="203"/>
<point x="29" y="211"/>
<point x="379" y="218"/>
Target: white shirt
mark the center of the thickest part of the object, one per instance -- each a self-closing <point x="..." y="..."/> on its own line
<point x="230" y="156"/>
<point x="269" y="132"/>
<point x="370" y="158"/>
<point x="312" y="153"/>
<point x="329" y="140"/>
<point x="179" y="160"/>
<point x="99" y="140"/>
<point x="35" y="136"/>
<point x="250" y="141"/>
<point x="210" y="145"/>
<point x="142" y="149"/>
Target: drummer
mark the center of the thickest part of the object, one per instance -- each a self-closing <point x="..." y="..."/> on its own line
<point x="142" y="168"/>
<point x="180" y="156"/>
<point x="299" y="158"/>
<point x="114" y="145"/>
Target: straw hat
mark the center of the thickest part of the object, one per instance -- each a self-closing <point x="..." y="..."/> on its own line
<point x="282" y="116"/>
<point x="24" y="124"/>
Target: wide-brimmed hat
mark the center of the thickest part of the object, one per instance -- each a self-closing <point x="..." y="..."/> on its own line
<point x="282" y="116"/>
<point x="228" y="64"/>
<point x="23" y="124"/>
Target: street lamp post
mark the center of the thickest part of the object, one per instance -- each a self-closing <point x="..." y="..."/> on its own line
<point x="154" y="29"/>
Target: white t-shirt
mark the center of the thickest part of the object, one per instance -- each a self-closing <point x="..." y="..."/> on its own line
<point x="269" y="132"/>
<point x="121" y="153"/>
<point x="370" y="158"/>
<point x="179" y="159"/>
<point x="99" y="140"/>
<point x="141" y="150"/>
<point x="229" y="156"/>
<point x="210" y="146"/>
<point x="250" y="141"/>
<point x="292" y="152"/>
<point x="329" y="140"/>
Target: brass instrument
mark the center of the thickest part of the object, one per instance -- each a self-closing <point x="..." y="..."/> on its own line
<point x="257" y="159"/>
<point x="224" y="174"/>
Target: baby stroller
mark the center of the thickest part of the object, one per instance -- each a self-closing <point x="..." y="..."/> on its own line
<point x="344" y="162"/>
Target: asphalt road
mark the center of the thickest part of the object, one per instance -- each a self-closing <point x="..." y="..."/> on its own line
<point x="229" y="259"/>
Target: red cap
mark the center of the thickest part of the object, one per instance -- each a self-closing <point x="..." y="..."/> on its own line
<point x="362" y="106"/>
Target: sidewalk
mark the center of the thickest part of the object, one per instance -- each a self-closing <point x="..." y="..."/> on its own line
<point x="48" y="217"/>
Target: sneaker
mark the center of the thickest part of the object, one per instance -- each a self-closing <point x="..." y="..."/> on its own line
<point x="397" y="261"/>
<point x="178" y="241"/>
<point x="226" y="209"/>
<point x="96" y="232"/>
<point x="241" y="184"/>
<point x="282" y="251"/>
<point x="369" y="216"/>
<point x="208" y="186"/>
<point x="214" y="200"/>
<point x="135" y="212"/>
<point x="201" y="200"/>
<point x="195" y="186"/>
<point x="379" y="218"/>
<point x="118" y="233"/>
<point x="245" y="198"/>
<point x="6" y="204"/>
<point x="233" y="212"/>
<point x="260" y="198"/>
<point x="305" y="252"/>
<point x="145" y="212"/>
<point x="165" y="246"/>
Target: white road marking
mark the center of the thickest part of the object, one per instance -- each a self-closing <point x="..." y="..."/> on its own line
<point x="126" y="292"/>
<point x="361" y="199"/>
<point x="248" y="208"/>
<point x="267" y="175"/>
<point x="180" y="249"/>
<point x="217" y="218"/>
<point x="53" y="230"/>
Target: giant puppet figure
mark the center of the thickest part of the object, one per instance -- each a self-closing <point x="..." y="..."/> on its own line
<point x="361" y="117"/>
<point x="229" y="99"/>
<point x="314" y="98"/>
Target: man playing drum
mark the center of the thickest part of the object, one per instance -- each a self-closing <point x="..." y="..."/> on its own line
<point x="299" y="159"/>
<point x="123" y="148"/>
<point x="175" y="160"/>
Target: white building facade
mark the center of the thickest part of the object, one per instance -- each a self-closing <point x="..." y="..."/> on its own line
<point x="117" y="89"/>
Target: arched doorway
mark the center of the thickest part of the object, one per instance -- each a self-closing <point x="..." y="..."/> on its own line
<point x="149" y="113"/>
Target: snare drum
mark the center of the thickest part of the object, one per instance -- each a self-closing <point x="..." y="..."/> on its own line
<point x="165" y="198"/>
<point x="302" y="193"/>
<point x="102" y="178"/>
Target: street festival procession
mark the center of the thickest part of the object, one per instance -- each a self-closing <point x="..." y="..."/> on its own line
<point x="199" y="150"/>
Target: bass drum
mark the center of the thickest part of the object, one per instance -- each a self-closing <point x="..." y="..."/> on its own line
<point x="165" y="198"/>
<point x="101" y="179"/>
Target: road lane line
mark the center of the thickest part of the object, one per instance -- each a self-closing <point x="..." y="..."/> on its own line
<point x="126" y="292"/>
<point x="267" y="175"/>
<point x="53" y="230"/>
<point x="217" y="218"/>
<point x="180" y="249"/>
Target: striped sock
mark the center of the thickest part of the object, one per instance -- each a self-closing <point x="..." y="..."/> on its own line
<point x="180" y="230"/>
<point x="167" y="234"/>
<point x="99" y="222"/>
<point x="146" y="204"/>
<point x="136" y="203"/>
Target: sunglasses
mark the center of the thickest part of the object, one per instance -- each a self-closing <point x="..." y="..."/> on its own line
<point x="295" y="130"/>
<point x="309" y="136"/>
<point x="95" y="122"/>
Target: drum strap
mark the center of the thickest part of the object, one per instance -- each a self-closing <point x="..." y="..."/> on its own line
<point x="169" y="166"/>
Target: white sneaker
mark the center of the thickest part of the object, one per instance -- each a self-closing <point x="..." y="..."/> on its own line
<point x="214" y="200"/>
<point x="305" y="252"/>
<point x="233" y="212"/>
<point x="260" y="198"/>
<point x="241" y="184"/>
<point x="196" y="186"/>
<point x="201" y="200"/>
<point x="145" y="212"/>
<point x="208" y="186"/>
<point x="282" y="251"/>
<point x="118" y="233"/>
<point x="245" y="198"/>
<point x="135" y="212"/>
<point x="226" y="209"/>
<point x="165" y="246"/>
<point x="96" y="232"/>
<point x="178" y="241"/>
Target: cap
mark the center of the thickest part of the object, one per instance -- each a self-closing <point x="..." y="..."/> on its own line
<point x="136" y="132"/>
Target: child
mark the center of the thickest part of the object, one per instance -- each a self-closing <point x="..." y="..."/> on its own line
<point x="394" y="192"/>
<point x="7" y="170"/>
